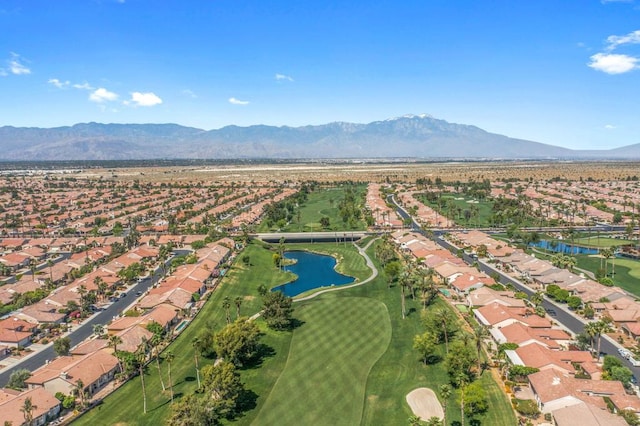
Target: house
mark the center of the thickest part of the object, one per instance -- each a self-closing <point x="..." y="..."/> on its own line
<point x="523" y="336"/>
<point x="498" y="315"/>
<point x="554" y="390"/>
<point x="42" y="312"/>
<point x="585" y="414"/>
<point x="538" y="356"/>
<point x="463" y="284"/>
<point x="486" y="296"/>
<point x="46" y="407"/>
<point x="15" y="332"/>
<point x="63" y="374"/>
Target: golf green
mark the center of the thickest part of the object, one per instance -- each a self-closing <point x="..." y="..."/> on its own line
<point x="331" y="354"/>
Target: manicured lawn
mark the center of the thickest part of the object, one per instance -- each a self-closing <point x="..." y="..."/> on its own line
<point x="125" y="405"/>
<point x="323" y="202"/>
<point x="330" y="356"/>
<point x="464" y="203"/>
<point x="602" y="242"/>
<point x="627" y="271"/>
<point x="350" y="361"/>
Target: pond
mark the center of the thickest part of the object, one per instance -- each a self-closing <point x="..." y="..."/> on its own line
<point x="313" y="271"/>
<point x="560" y="247"/>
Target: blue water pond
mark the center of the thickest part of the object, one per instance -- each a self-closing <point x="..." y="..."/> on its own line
<point x="560" y="247"/>
<point x="313" y="271"/>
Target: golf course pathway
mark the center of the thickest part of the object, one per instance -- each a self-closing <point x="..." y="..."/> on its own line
<point x="363" y="253"/>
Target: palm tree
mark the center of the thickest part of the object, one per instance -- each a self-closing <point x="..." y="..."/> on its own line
<point x="442" y="316"/>
<point x="461" y="381"/>
<point x="196" y="343"/>
<point x="79" y="389"/>
<point x="141" y="358"/>
<point x="479" y="332"/>
<point x="606" y="253"/>
<point x="114" y="341"/>
<point x="414" y="421"/>
<point x="238" y="302"/>
<point x="169" y="357"/>
<point x="445" y="394"/>
<point x="403" y="285"/>
<point x="27" y="410"/>
<point x="226" y="304"/>
<point x="156" y="339"/>
<point x="604" y="326"/>
<point x="50" y="265"/>
<point x="591" y="329"/>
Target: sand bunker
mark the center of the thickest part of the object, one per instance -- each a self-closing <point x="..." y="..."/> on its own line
<point x="424" y="404"/>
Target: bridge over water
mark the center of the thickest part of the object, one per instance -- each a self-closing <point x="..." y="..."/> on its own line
<point x="300" y="237"/>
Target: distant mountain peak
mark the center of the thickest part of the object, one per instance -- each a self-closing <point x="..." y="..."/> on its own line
<point x="410" y="116"/>
<point x="410" y="135"/>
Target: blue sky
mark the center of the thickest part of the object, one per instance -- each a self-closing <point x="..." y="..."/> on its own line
<point x="560" y="72"/>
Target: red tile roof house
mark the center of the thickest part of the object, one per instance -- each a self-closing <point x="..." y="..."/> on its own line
<point x="16" y="332"/>
<point x="522" y="335"/>
<point x="497" y="315"/>
<point x="46" y="406"/>
<point x="463" y="284"/>
<point x="486" y="296"/>
<point x="538" y="356"/>
<point x="584" y="414"/>
<point x="554" y="390"/>
<point x="62" y="374"/>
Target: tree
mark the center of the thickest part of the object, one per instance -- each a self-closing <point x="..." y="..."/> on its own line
<point x="27" y="410"/>
<point x="169" y="357"/>
<point x="140" y="358"/>
<point x="460" y="360"/>
<point x="445" y="394"/>
<point x="414" y="421"/>
<point x="392" y="270"/>
<point x="325" y="222"/>
<point x="114" y="341"/>
<point x="479" y="333"/>
<point x="62" y="346"/>
<point x="17" y="379"/>
<point x="226" y="305"/>
<point x="443" y="323"/>
<point x="237" y="342"/>
<point x="80" y="393"/>
<point x="574" y="302"/>
<point x="461" y="381"/>
<point x="222" y="382"/>
<point x="475" y="399"/>
<point x="192" y="411"/>
<point x="425" y="344"/>
<point x="277" y="310"/>
<point x="238" y="302"/>
<point x="196" y="352"/>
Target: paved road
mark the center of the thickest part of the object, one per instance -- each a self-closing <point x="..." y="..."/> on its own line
<point x="85" y="330"/>
<point x="561" y="314"/>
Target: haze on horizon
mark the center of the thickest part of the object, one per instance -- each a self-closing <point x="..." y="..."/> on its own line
<point x="561" y="73"/>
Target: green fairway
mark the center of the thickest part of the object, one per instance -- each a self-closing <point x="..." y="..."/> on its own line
<point x="627" y="274"/>
<point x="323" y="202"/>
<point x="125" y="405"/>
<point x="331" y="354"/>
<point x="349" y="361"/>
<point x="463" y="203"/>
<point x="602" y="242"/>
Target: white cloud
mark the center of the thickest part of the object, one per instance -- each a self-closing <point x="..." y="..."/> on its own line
<point x="238" y="101"/>
<point x="57" y="83"/>
<point x="609" y="126"/>
<point x="144" y="99"/>
<point x="614" y="40"/>
<point x="102" y="95"/>
<point x="189" y="93"/>
<point x="281" y="77"/>
<point x="83" y="86"/>
<point x="16" y="66"/>
<point x="611" y="63"/>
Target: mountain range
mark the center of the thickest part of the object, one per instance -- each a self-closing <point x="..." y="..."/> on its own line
<point x="415" y="136"/>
